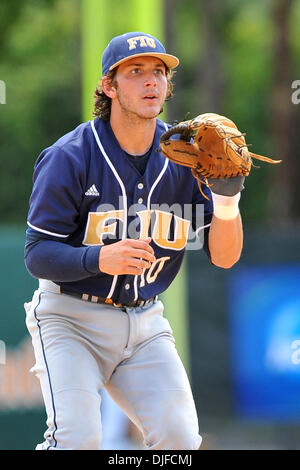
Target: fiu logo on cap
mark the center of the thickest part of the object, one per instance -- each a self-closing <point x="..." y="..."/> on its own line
<point x="144" y="41"/>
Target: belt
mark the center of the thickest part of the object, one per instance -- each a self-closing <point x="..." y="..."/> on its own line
<point x="52" y="287"/>
<point x="105" y="300"/>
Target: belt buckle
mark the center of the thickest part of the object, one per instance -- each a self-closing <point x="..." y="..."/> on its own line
<point x="117" y="305"/>
<point x="111" y="302"/>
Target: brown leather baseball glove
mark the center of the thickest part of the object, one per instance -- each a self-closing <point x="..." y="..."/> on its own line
<point x="213" y="147"/>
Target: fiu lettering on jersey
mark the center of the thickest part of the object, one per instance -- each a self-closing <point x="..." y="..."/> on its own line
<point x="161" y="231"/>
<point x="144" y="41"/>
<point x="97" y="227"/>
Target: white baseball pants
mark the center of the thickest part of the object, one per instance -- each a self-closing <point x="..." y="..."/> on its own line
<point x="81" y="347"/>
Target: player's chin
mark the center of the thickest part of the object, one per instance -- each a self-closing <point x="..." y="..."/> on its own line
<point x="152" y="112"/>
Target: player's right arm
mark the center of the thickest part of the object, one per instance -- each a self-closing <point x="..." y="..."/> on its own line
<point x="55" y="208"/>
<point x="50" y="259"/>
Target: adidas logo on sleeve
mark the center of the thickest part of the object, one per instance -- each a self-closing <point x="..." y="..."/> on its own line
<point x="92" y="191"/>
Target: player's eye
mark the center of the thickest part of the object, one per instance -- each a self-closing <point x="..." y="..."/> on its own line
<point x="159" y="71"/>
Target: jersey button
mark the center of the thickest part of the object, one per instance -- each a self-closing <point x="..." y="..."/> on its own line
<point x="127" y="286"/>
<point x="140" y="185"/>
<point x="140" y="200"/>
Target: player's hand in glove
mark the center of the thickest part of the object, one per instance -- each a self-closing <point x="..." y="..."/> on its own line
<point x="215" y="150"/>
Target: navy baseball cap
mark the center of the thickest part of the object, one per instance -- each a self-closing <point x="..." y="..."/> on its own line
<point x="134" y="44"/>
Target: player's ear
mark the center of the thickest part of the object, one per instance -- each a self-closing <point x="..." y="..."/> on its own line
<point x="107" y="87"/>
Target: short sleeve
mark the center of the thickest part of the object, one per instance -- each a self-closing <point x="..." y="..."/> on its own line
<point x="56" y="193"/>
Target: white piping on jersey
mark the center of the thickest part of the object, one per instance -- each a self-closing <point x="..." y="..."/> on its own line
<point x="201" y="228"/>
<point x="148" y="207"/>
<point x="113" y="285"/>
<point x="156" y="183"/>
<point x="46" y="231"/>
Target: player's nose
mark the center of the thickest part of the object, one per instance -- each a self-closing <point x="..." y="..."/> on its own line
<point x="150" y="80"/>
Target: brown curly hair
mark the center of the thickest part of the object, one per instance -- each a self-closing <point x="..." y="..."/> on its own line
<point x="102" y="103"/>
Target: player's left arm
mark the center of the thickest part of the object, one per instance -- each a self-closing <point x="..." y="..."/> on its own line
<point x="225" y="239"/>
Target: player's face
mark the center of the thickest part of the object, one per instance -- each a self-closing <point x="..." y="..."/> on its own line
<point x="141" y="87"/>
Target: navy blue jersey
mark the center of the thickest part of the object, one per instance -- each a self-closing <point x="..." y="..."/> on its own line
<point x="87" y="193"/>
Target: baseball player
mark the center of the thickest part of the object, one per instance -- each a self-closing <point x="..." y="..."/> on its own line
<point x="107" y="233"/>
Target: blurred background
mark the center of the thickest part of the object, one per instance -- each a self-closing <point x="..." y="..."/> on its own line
<point x="240" y="58"/>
